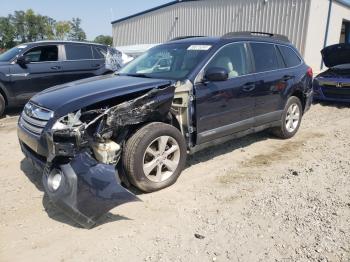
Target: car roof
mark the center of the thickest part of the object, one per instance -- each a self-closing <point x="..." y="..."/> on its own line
<point x="224" y="40"/>
<point x="61" y="42"/>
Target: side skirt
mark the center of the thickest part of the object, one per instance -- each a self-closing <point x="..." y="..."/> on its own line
<point x="224" y="139"/>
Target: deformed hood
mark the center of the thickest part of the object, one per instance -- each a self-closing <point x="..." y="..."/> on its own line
<point x="334" y="55"/>
<point x="76" y="95"/>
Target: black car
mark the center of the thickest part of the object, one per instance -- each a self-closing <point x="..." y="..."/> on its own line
<point x="334" y="83"/>
<point x="30" y="68"/>
<point x="94" y="137"/>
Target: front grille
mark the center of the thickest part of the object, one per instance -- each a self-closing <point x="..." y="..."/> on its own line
<point x="336" y="92"/>
<point x="34" y="118"/>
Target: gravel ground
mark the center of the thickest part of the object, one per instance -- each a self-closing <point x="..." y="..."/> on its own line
<point x="253" y="199"/>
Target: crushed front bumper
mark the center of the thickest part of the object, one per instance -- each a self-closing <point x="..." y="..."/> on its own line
<point x="87" y="190"/>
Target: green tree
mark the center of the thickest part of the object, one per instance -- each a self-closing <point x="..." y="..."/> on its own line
<point x="7" y="33"/>
<point x="104" y="39"/>
<point x="62" y="29"/>
<point x="76" y="32"/>
<point x="18" y="21"/>
<point x="27" y="26"/>
<point x="31" y="25"/>
<point x="46" y="26"/>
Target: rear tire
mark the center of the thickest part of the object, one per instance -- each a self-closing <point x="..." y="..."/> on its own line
<point x="291" y="119"/>
<point x="154" y="156"/>
<point x="2" y="105"/>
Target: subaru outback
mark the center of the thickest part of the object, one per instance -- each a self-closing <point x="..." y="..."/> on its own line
<point x="94" y="137"/>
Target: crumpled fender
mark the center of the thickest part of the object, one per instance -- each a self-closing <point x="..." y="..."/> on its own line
<point x="88" y="189"/>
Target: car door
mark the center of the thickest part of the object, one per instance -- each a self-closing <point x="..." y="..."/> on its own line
<point x="79" y="62"/>
<point x="42" y="70"/>
<point x="271" y="82"/>
<point x="225" y="107"/>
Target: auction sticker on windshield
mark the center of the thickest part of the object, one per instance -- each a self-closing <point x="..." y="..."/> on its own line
<point x="199" y="47"/>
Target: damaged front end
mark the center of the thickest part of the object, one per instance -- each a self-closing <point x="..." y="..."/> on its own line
<point x="82" y="173"/>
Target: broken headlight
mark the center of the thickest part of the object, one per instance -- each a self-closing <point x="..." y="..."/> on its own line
<point x="70" y="121"/>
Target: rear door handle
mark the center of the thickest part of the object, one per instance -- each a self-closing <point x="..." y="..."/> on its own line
<point x="55" y="67"/>
<point x="287" y="77"/>
<point x="248" y="87"/>
<point x="96" y="65"/>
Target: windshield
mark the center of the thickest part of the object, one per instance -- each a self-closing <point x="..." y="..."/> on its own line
<point x="170" y="61"/>
<point x="10" y="54"/>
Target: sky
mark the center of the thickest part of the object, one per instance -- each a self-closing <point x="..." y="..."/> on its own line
<point x="96" y="15"/>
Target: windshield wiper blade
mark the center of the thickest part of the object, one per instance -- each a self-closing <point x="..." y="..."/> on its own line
<point x="138" y="75"/>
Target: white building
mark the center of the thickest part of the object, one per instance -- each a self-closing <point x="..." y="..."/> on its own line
<point x="309" y="24"/>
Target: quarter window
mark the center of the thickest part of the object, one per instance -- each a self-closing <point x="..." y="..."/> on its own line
<point x="265" y="57"/>
<point x="99" y="53"/>
<point x="290" y="57"/>
<point x="78" y="52"/>
<point x="232" y="58"/>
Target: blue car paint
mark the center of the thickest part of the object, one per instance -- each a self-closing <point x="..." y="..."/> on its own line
<point x="88" y="189"/>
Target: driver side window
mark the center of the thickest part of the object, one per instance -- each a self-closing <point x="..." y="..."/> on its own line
<point x="42" y="54"/>
<point x="233" y="59"/>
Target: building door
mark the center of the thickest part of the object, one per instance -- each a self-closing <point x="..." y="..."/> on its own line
<point x="345" y="32"/>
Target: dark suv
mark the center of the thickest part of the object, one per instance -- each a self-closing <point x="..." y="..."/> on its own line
<point x="30" y="68"/>
<point x="137" y="126"/>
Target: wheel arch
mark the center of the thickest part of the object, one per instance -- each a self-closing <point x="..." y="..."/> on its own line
<point x="299" y="94"/>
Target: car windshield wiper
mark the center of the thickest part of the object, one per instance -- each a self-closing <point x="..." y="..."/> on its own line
<point x="138" y="75"/>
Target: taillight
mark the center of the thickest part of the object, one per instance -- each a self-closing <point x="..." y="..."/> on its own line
<point x="309" y="72"/>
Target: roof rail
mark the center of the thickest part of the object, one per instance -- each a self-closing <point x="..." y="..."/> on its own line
<point x="185" y="37"/>
<point x="248" y="33"/>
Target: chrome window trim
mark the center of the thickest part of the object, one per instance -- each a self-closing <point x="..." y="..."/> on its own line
<point x="201" y="72"/>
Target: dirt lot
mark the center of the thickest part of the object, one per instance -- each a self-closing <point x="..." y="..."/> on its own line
<point x="253" y="199"/>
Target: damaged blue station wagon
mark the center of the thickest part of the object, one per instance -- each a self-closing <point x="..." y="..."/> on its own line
<point x="94" y="137"/>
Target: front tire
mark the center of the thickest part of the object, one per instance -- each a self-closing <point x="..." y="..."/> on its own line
<point x="291" y="119"/>
<point x="2" y="105"/>
<point x="154" y="156"/>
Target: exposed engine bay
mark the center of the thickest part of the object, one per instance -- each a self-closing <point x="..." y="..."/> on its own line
<point x="83" y="174"/>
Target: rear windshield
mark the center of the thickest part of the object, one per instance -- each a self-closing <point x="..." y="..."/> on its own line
<point x="169" y="61"/>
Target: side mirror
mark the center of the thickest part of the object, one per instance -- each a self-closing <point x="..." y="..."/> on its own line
<point x="22" y="61"/>
<point x="216" y="74"/>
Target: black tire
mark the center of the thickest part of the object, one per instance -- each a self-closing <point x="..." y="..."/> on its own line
<point x="282" y="131"/>
<point x="135" y="150"/>
<point x="2" y="105"/>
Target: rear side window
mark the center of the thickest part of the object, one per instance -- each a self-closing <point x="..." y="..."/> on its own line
<point x="78" y="52"/>
<point x="290" y="57"/>
<point x="99" y="52"/>
<point x="265" y="57"/>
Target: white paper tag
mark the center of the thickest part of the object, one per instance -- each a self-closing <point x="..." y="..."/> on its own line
<point x="199" y="47"/>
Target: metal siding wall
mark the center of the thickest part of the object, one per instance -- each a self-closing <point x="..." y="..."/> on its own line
<point x="215" y="18"/>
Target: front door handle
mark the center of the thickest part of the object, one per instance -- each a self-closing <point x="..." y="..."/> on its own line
<point x="248" y="87"/>
<point x="55" y="67"/>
